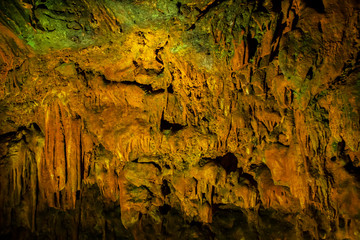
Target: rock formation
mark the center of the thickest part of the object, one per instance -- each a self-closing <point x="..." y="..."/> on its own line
<point x="187" y="119"/>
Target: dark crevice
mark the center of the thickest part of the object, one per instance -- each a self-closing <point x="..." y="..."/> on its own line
<point x="148" y="189"/>
<point x="41" y="6"/>
<point x="351" y="169"/>
<point x="152" y="163"/>
<point x="310" y="74"/>
<point x="166" y="125"/>
<point x="358" y="58"/>
<point x="317" y="5"/>
<point x="245" y="178"/>
<point x="36" y="127"/>
<point x="341" y="149"/>
<point x="170" y="89"/>
<point x="164" y="209"/>
<point x="320" y="27"/>
<point x="147" y="88"/>
<point x="136" y="64"/>
<point x="159" y="60"/>
<point x="78" y="195"/>
<point x="259" y="7"/>
<point x="295" y="21"/>
<point x="212" y="195"/>
<point x="229" y="162"/>
<point x="55" y="200"/>
<point x="178" y="5"/>
<point x="217" y="207"/>
<point x="158" y="57"/>
<point x="192" y="27"/>
<point x="252" y="45"/>
<point x="7" y="136"/>
<point x="60" y="199"/>
<point x="341" y="222"/>
<point x="259" y="168"/>
<point x="88" y="172"/>
<point x="165" y="189"/>
<point x="306" y="235"/>
<point x="276" y="6"/>
<point x="154" y="72"/>
<point x="196" y="184"/>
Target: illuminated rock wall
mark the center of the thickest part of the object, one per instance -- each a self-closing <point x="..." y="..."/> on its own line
<point x="209" y="119"/>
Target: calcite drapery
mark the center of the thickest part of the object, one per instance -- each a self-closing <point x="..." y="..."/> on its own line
<point x="219" y="119"/>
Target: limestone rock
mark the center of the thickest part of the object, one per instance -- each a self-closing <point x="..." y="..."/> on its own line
<point x="218" y="119"/>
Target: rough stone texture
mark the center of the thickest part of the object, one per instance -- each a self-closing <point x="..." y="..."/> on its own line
<point x="209" y="119"/>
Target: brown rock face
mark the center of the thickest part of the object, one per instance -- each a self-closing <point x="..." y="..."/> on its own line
<point x="217" y="119"/>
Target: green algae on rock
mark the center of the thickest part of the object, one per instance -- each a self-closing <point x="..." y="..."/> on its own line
<point x="218" y="119"/>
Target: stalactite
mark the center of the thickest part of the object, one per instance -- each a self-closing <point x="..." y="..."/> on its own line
<point x="187" y="119"/>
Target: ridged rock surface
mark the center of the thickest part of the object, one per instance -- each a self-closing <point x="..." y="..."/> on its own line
<point x="208" y="119"/>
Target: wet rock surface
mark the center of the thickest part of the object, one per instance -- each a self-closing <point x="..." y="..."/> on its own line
<point x="218" y="119"/>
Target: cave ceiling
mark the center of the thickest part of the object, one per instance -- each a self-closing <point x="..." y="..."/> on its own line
<point x="184" y="119"/>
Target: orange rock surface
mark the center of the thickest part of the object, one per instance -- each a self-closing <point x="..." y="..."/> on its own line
<point x="218" y="119"/>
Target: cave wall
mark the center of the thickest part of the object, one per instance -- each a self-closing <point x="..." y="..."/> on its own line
<point x="216" y="119"/>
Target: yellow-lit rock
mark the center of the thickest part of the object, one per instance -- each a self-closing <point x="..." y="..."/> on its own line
<point x="179" y="119"/>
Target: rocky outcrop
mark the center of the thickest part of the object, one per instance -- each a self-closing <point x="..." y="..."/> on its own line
<point x="219" y="119"/>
